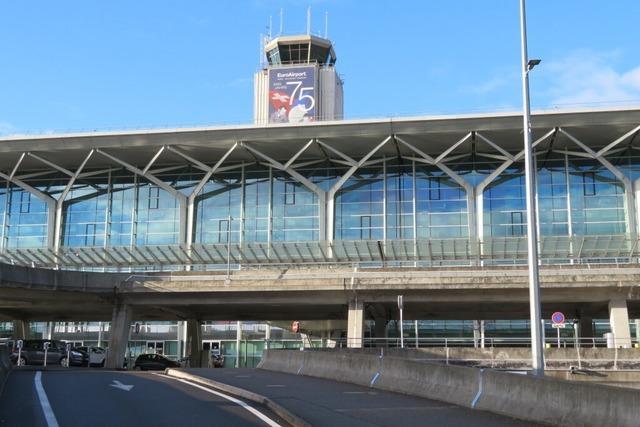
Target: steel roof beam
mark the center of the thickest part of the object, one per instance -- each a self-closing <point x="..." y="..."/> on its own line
<point x="182" y="199"/>
<point x="626" y="182"/>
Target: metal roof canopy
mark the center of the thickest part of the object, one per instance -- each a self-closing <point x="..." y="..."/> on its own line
<point x="495" y="251"/>
<point x="355" y="138"/>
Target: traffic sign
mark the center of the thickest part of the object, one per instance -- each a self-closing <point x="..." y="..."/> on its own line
<point x="557" y="319"/>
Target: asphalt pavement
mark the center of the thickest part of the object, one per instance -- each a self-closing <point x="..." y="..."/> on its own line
<point x="97" y="397"/>
<point x="329" y="403"/>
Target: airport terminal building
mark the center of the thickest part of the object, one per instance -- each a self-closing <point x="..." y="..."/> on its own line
<point x="304" y="189"/>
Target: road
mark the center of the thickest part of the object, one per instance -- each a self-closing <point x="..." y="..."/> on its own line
<point x="329" y="403"/>
<point x="82" y="397"/>
<point x="97" y="397"/>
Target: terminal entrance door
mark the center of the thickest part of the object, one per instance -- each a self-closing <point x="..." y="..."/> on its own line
<point x="155" y="347"/>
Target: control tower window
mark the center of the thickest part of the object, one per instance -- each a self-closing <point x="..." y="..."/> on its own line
<point x="294" y="53"/>
<point x="319" y="54"/>
<point x="274" y="56"/>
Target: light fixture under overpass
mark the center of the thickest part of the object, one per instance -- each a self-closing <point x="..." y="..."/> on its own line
<point x="537" y="355"/>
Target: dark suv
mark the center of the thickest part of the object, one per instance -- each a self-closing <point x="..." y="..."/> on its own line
<point x="33" y="354"/>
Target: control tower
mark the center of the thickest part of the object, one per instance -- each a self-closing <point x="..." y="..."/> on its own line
<point x="299" y="83"/>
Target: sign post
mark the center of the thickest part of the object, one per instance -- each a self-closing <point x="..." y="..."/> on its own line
<point x="400" y="307"/>
<point x="68" y="347"/>
<point x="19" y="344"/>
<point x="558" y="320"/>
<point x="46" y="350"/>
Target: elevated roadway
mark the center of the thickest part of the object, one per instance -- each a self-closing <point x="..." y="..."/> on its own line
<point x="314" y="294"/>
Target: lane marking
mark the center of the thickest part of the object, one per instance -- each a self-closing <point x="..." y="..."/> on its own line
<point x="238" y="402"/>
<point x="275" y="385"/>
<point x="49" y="416"/>
<point x="118" y="384"/>
<point x="370" y="393"/>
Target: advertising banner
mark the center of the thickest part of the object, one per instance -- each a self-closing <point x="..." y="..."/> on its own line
<point x="292" y="94"/>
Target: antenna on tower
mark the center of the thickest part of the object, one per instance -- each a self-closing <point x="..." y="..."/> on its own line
<point x="309" y="20"/>
<point x="281" y="21"/>
<point x="326" y="24"/>
<point x="270" y="25"/>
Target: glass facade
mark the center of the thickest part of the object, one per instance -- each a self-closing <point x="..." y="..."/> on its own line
<point x="387" y="199"/>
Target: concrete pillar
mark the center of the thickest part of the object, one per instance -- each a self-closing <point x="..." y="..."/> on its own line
<point x="194" y="343"/>
<point x="355" y="324"/>
<point x="619" y="321"/>
<point x="586" y="327"/>
<point x="638" y="330"/>
<point x="21" y="330"/>
<point x="119" y="335"/>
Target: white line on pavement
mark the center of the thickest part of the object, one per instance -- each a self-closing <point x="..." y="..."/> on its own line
<point x="242" y="404"/>
<point x="44" y="402"/>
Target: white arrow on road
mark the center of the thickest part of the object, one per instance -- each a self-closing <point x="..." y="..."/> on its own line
<point x="118" y="384"/>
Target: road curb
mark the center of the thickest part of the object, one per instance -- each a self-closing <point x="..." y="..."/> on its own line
<point x="283" y="413"/>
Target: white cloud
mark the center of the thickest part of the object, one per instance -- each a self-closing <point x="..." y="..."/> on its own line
<point x="587" y="77"/>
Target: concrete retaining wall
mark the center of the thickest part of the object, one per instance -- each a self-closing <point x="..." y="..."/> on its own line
<point x="546" y="400"/>
<point x="518" y="357"/>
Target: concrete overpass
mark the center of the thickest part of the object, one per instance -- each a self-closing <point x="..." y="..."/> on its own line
<point x="581" y="291"/>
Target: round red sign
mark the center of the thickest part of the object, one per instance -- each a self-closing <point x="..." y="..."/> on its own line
<point x="557" y="317"/>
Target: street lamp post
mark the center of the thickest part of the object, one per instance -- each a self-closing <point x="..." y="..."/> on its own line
<point x="229" y="247"/>
<point x="537" y="355"/>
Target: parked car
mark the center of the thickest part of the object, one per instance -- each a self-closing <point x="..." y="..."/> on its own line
<point x="146" y="362"/>
<point x="97" y="355"/>
<point x="32" y="353"/>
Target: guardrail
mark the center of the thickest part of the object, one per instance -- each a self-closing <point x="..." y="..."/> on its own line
<point x="487" y="342"/>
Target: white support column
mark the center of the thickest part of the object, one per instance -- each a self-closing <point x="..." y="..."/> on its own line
<point x="439" y="163"/>
<point x="481" y="187"/>
<point x="182" y="199"/>
<point x="619" y="321"/>
<point x="288" y="168"/>
<point x="355" y="324"/>
<point x="60" y="202"/>
<point x="190" y="225"/>
<point x="636" y="191"/>
<point x="629" y="204"/>
<point x="47" y="199"/>
<point x="331" y="194"/>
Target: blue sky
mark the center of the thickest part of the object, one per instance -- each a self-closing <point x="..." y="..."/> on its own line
<point x="90" y="64"/>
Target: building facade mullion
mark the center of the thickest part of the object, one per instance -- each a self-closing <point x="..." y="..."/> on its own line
<point x="3" y="233"/>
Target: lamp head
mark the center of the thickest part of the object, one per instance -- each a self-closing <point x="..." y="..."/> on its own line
<point x="532" y="63"/>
